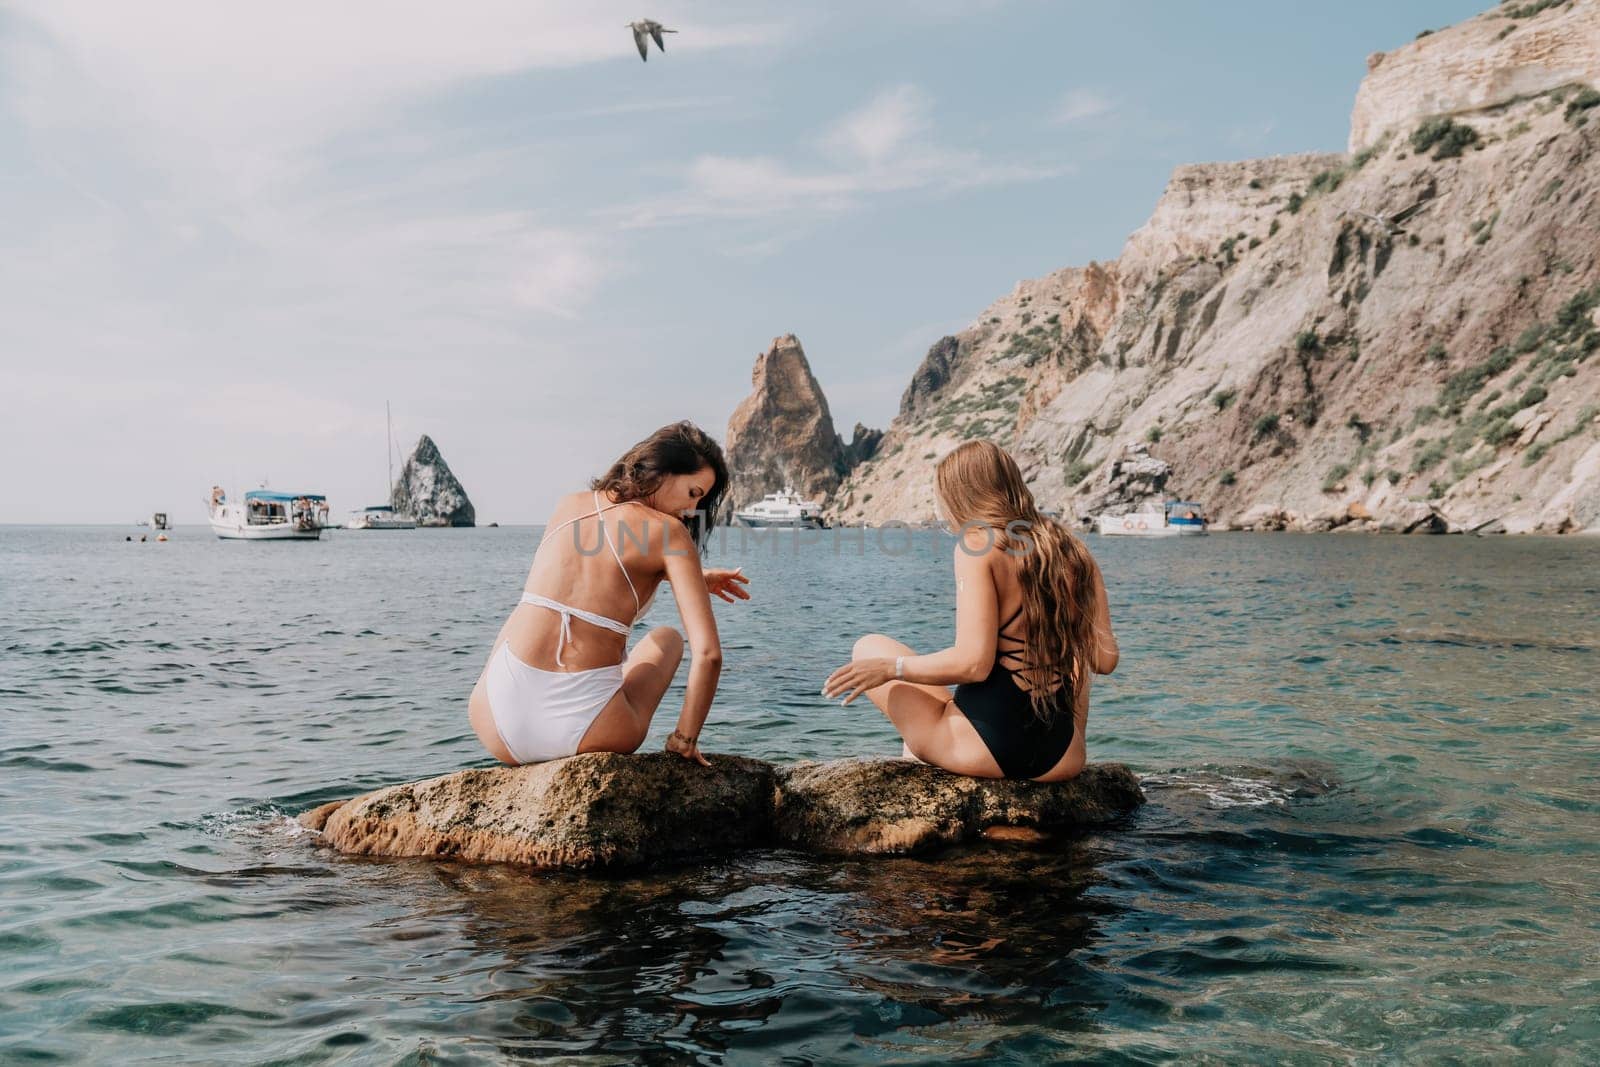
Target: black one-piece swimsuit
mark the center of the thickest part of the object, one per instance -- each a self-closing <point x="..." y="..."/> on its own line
<point x="1021" y="743"/>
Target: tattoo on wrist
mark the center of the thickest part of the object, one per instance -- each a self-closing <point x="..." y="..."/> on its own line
<point x="685" y="738"/>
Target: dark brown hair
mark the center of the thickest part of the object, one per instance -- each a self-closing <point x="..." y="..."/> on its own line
<point x="678" y="448"/>
<point x="980" y="483"/>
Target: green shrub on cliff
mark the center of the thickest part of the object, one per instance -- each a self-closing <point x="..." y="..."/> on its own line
<point x="1572" y="319"/>
<point x="1578" y="107"/>
<point x="1327" y="181"/>
<point x="1266" y="424"/>
<point x="1430" y="455"/>
<point x="1464" y="385"/>
<point x="1529" y="9"/>
<point x="1447" y="137"/>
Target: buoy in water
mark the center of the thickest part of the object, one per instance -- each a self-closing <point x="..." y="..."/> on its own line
<point x="161" y="537"/>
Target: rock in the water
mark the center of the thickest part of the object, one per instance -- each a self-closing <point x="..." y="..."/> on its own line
<point x="429" y="492"/>
<point x="782" y="435"/>
<point x="884" y="805"/>
<point x="607" y="810"/>
<point x="599" y="809"/>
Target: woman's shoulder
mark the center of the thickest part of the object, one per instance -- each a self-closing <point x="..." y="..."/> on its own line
<point x="647" y="527"/>
<point x="977" y="544"/>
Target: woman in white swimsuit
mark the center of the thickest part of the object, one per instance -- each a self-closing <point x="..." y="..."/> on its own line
<point x="560" y="680"/>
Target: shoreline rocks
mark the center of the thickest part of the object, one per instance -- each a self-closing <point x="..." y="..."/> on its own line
<point x="606" y="811"/>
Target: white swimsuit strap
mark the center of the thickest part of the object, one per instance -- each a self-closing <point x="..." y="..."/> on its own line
<point x="567" y="612"/>
<point x="576" y="518"/>
<point x="597" y="510"/>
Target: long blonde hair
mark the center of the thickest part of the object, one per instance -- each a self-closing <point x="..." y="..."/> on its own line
<point x="980" y="484"/>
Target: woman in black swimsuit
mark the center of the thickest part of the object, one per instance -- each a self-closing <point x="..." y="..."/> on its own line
<point x="1021" y="694"/>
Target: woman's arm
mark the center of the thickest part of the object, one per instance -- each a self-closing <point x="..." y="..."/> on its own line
<point x="969" y="660"/>
<point x="977" y="619"/>
<point x="682" y="561"/>
<point x="1106" y="652"/>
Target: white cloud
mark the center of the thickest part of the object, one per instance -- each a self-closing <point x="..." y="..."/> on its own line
<point x="882" y="127"/>
<point x="1080" y="104"/>
<point x="879" y="148"/>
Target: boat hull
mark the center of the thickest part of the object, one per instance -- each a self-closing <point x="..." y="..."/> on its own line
<point x="380" y="524"/>
<point x="764" y="521"/>
<point x="278" y="531"/>
<point x="1144" y="526"/>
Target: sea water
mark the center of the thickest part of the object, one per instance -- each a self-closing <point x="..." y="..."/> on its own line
<point x="1372" y="763"/>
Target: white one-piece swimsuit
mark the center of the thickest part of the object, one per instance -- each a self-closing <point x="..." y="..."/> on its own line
<point x="543" y="715"/>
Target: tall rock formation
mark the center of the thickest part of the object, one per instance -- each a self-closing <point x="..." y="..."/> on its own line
<point x="429" y="492"/>
<point x="782" y="435"/>
<point x="1403" y="337"/>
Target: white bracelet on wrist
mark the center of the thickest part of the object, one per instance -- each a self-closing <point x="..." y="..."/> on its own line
<point x="900" y="667"/>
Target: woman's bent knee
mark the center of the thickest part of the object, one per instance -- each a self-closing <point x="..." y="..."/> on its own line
<point x="868" y="644"/>
<point x="667" y="637"/>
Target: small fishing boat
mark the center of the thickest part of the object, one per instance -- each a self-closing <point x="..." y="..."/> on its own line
<point x="268" y="515"/>
<point x="783" y="508"/>
<point x="1177" y="518"/>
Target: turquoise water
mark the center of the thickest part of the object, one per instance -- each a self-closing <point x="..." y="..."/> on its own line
<point x="1373" y="768"/>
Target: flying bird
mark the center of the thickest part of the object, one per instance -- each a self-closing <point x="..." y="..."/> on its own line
<point x="1393" y="225"/>
<point x="646" y="30"/>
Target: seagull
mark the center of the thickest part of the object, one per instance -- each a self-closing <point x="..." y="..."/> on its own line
<point x="1393" y="225"/>
<point x="646" y="30"/>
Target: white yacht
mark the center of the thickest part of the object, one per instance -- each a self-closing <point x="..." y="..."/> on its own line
<point x="383" y="516"/>
<point x="783" y="508"/>
<point x="1178" y="518"/>
<point x="380" y="517"/>
<point x="268" y="515"/>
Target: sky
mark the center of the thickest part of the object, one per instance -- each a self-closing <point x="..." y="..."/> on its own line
<point x="229" y="233"/>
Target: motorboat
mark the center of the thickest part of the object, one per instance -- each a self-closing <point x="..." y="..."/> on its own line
<point x="783" y="508"/>
<point x="268" y="515"/>
<point x="1175" y="518"/>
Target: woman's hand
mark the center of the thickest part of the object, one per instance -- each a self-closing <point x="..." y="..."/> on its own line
<point x="687" y="747"/>
<point x="727" y="584"/>
<point x="857" y="676"/>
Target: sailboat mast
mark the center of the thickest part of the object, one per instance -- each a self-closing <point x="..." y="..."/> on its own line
<point x="388" y="446"/>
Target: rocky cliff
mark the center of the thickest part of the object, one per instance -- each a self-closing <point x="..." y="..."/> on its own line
<point x="782" y="434"/>
<point x="429" y="492"/>
<point x="1402" y="337"/>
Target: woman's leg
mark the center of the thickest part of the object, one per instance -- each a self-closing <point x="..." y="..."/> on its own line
<point x="933" y="729"/>
<point x="646" y="674"/>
